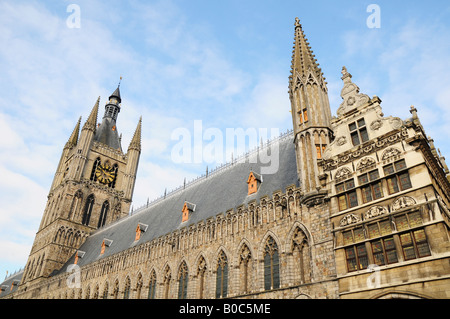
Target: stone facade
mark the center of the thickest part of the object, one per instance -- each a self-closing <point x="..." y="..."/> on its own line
<point x="358" y="209"/>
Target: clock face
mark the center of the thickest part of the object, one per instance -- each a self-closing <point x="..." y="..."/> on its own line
<point x="105" y="174"/>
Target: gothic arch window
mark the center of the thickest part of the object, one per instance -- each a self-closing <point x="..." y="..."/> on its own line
<point x="271" y="265"/>
<point x="139" y="285"/>
<point x="244" y="266"/>
<point x="201" y="276"/>
<point x="95" y="294"/>
<point x="76" y="203"/>
<point x="105" y="291"/>
<point x="39" y="265"/>
<point x="116" y="290"/>
<point x="94" y="168"/>
<point x="152" y="286"/>
<point x="103" y="214"/>
<point x="126" y="291"/>
<point x="167" y="279"/>
<point x="301" y="256"/>
<point x="222" y="276"/>
<point x="182" y="281"/>
<point x="88" y="293"/>
<point x="88" y="210"/>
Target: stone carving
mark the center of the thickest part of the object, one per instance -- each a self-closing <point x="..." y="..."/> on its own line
<point x="390" y="152"/>
<point x="343" y="171"/>
<point x="341" y="140"/>
<point x="375" y="125"/>
<point x="350" y="94"/>
<point x="349" y="219"/>
<point x="396" y="122"/>
<point x="375" y="211"/>
<point x="402" y="202"/>
<point x="365" y="162"/>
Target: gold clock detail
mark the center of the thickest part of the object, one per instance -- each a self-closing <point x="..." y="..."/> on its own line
<point x="105" y="174"/>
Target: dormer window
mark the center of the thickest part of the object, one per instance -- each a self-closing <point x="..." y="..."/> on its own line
<point x="187" y="209"/>
<point x="105" y="243"/>
<point x="78" y="254"/>
<point x="141" y="228"/>
<point x="358" y="132"/>
<point x="253" y="182"/>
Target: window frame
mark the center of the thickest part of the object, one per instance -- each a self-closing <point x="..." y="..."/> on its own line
<point x="357" y="132"/>
<point x="370" y="185"/>
<point x="394" y="177"/>
<point x="348" y="193"/>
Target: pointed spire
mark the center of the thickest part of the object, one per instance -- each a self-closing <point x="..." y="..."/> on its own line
<point x="136" y="141"/>
<point x="73" y="139"/>
<point x="303" y="59"/>
<point x="116" y="93"/>
<point x="91" y="122"/>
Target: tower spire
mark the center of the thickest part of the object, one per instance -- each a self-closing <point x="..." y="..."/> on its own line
<point x="136" y="140"/>
<point x="73" y="139"/>
<point x="311" y="113"/>
<point x="304" y="62"/>
<point x="91" y="122"/>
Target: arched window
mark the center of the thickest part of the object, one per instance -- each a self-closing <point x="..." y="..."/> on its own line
<point x="103" y="214"/>
<point x="95" y="294"/>
<point x="76" y="203"/>
<point x="167" y="279"/>
<point x="222" y="276"/>
<point x="152" y="286"/>
<point x="139" y="287"/>
<point x="94" y="168"/>
<point x="201" y="276"/>
<point x="105" y="291"/>
<point x="116" y="290"/>
<point x="88" y="210"/>
<point x="301" y="255"/>
<point x="245" y="258"/>
<point x="182" y="281"/>
<point x="271" y="265"/>
<point x="126" y="291"/>
<point x="88" y="293"/>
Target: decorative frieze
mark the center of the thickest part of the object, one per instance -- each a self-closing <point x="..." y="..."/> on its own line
<point x="402" y="202"/>
<point x="375" y="211"/>
<point x="367" y="148"/>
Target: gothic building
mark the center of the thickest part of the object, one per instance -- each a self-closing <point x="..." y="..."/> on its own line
<point x="358" y="208"/>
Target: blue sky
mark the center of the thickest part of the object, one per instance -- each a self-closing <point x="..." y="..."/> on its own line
<point x="225" y="63"/>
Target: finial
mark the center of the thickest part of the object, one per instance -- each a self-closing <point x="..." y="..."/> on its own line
<point x="345" y="74"/>
<point x="120" y="81"/>
<point x="297" y="22"/>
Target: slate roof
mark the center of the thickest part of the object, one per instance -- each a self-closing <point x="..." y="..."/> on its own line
<point x="107" y="135"/>
<point x="14" y="280"/>
<point x="213" y="194"/>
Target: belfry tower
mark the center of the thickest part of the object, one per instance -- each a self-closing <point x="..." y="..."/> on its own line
<point x="93" y="186"/>
<point x="311" y="114"/>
